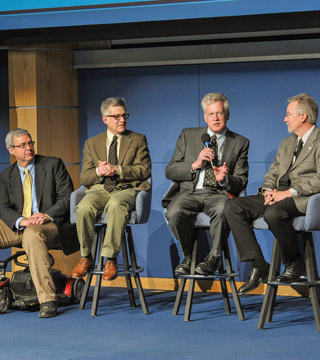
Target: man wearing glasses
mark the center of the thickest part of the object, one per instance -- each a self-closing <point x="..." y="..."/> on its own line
<point x="116" y="165"/>
<point x="34" y="212"/>
<point x="209" y="165"/>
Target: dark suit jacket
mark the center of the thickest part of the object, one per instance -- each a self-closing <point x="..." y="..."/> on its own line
<point x="304" y="173"/>
<point x="134" y="160"/>
<point x="53" y="188"/>
<point x="188" y="147"/>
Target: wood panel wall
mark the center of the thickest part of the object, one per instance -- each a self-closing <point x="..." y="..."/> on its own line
<point x="43" y="98"/>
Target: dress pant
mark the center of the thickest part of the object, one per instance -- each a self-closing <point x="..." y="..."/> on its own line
<point x="183" y="210"/>
<point x="117" y="206"/>
<point x="241" y="212"/>
<point x="36" y="240"/>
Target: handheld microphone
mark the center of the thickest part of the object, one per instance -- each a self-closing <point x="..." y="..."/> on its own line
<point x="205" y="138"/>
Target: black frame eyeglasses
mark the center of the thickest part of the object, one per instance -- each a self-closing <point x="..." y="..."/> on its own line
<point x="23" y="146"/>
<point x="117" y="117"/>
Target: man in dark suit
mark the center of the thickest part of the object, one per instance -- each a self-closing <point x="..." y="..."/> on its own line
<point x="112" y="185"/>
<point x="204" y="178"/>
<point x="34" y="207"/>
<point x="292" y="178"/>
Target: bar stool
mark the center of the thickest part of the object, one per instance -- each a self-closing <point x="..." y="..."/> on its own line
<point x="129" y="268"/>
<point x="304" y="225"/>
<point x="202" y="223"/>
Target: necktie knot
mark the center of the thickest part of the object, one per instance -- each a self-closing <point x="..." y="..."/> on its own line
<point x="299" y="148"/>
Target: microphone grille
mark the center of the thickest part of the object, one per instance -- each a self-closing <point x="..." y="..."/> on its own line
<point x="205" y="137"/>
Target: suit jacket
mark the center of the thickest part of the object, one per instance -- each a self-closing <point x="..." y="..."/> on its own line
<point x="304" y="173"/>
<point x="134" y="160"/>
<point x="188" y="147"/>
<point x="53" y="188"/>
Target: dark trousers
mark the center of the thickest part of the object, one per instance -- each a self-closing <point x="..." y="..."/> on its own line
<point x="183" y="209"/>
<point x="240" y="214"/>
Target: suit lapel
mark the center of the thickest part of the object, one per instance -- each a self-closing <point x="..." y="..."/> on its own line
<point x="101" y="147"/>
<point x="15" y="186"/>
<point x="40" y="178"/>
<point x="198" y="143"/>
<point x="229" y="144"/>
<point x="126" y="140"/>
<point x="307" y="147"/>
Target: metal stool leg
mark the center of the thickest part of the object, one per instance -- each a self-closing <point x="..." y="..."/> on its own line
<point x="126" y="269"/>
<point x="232" y="283"/>
<point x="90" y="274"/>
<point x="187" y="312"/>
<point x="97" y="288"/>
<point x="271" y="291"/>
<point x="134" y="267"/>
<point x="177" y="302"/>
<point x="312" y="275"/>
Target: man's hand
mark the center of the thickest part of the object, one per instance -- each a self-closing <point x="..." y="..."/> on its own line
<point x="35" y="219"/>
<point x="221" y="172"/>
<point x="205" y="155"/>
<point x="106" y="169"/>
<point x="271" y="197"/>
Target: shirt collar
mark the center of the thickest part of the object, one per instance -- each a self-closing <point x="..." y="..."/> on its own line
<point x="305" y="137"/>
<point x="220" y="135"/>
<point x="110" y="135"/>
<point x="30" y="167"/>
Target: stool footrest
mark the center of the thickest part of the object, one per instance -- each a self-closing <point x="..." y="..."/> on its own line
<point x="121" y="272"/>
<point x="301" y="282"/>
<point x="209" y="277"/>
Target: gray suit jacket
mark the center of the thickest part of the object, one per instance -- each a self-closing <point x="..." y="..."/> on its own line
<point x="53" y="188"/>
<point x="134" y="159"/>
<point x="188" y="147"/>
<point x="304" y="173"/>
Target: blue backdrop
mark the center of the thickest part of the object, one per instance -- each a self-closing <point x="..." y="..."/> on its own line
<point x="163" y="100"/>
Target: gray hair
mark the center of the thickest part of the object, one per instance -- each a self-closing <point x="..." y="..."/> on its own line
<point x="306" y="105"/>
<point x="214" y="97"/>
<point x="112" y="101"/>
<point x="15" y="132"/>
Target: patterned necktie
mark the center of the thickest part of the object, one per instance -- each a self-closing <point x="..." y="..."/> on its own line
<point x="299" y="148"/>
<point x="27" y="195"/>
<point x="209" y="177"/>
<point x="111" y="181"/>
<point x="284" y="182"/>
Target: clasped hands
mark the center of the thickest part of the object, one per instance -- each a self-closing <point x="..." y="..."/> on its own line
<point x="205" y="155"/>
<point x="273" y="196"/>
<point x="35" y="219"/>
<point x="107" y="169"/>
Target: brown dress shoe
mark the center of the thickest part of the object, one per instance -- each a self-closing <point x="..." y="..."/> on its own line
<point x="85" y="264"/>
<point x="110" y="270"/>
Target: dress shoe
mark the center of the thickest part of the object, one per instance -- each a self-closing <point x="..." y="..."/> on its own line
<point x="84" y="265"/>
<point x="255" y="278"/>
<point x="48" y="309"/>
<point x="184" y="267"/>
<point x="209" y="265"/>
<point x="110" y="270"/>
<point x="292" y="271"/>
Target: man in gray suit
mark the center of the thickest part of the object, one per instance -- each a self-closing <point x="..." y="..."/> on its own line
<point x="292" y="178"/>
<point x="34" y="212"/>
<point x="205" y="176"/>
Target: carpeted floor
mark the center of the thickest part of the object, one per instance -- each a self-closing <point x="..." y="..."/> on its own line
<point x="122" y="333"/>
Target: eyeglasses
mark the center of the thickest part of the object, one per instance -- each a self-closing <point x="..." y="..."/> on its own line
<point x="23" y="146"/>
<point x="218" y="114"/>
<point x="117" y="117"/>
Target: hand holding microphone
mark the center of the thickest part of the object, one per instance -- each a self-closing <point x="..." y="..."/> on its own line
<point x="205" y="154"/>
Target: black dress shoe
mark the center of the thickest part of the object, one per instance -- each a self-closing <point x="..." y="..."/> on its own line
<point x="209" y="265"/>
<point x="48" y="309"/>
<point x="255" y="278"/>
<point x="184" y="267"/>
<point x="292" y="271"/>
